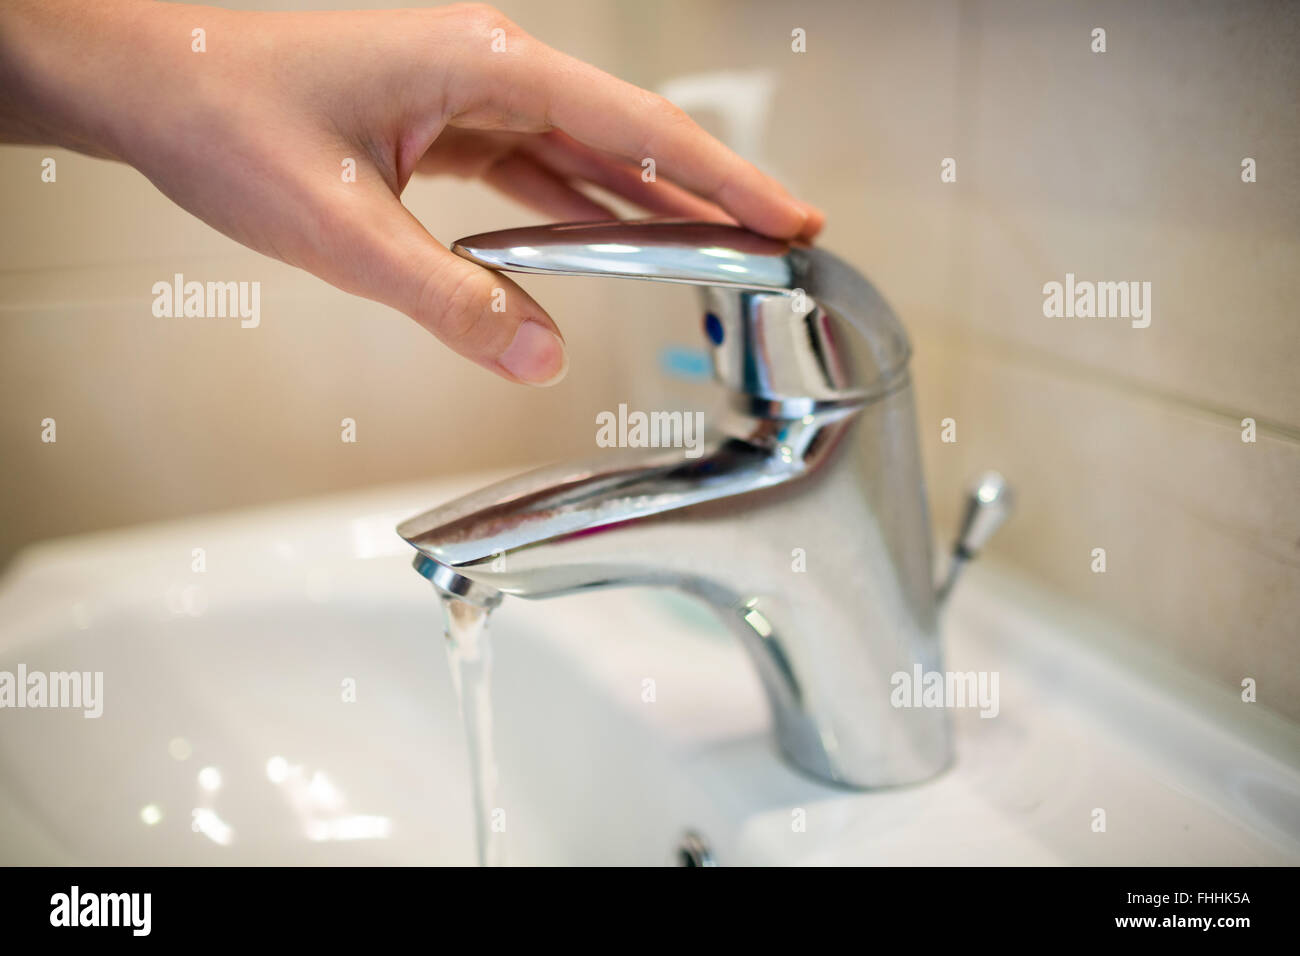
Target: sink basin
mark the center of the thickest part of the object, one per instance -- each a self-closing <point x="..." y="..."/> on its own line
<point x="291" y="704"/>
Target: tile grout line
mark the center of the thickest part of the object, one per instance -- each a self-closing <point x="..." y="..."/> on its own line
<point x="1029" y="357"/>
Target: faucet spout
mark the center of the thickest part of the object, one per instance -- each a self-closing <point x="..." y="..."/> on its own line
<point x="822" y="573"/>
<point x="538" y="535"/>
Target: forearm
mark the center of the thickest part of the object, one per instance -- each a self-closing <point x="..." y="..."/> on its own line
<point x="70" y="70"/>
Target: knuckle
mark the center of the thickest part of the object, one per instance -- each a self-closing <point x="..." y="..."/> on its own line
<point x="668" y="112"/>
<point x="667" y="121"/>
<point x="484" y="18"/>
<point x="451" y="306"/>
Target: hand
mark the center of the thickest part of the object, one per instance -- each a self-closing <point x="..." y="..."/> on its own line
<point x="251" y="136"/>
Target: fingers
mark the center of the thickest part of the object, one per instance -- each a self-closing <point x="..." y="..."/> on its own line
<point x="386" y="255"/>
<point x="572" y="159"/>
<point x="533" y="88"/>
<point x="608" y="114"/>
<point x="531" y="184"/>
<point x="539" y="171"/>
<point x="816" y="223"/>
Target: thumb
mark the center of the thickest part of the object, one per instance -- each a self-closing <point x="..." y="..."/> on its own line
<point x="478" y="313"/>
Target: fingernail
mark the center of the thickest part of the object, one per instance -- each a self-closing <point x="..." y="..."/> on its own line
<point x="815" y="222"/>
<point x="798" y="208"/>
<point x="536" y="355"/>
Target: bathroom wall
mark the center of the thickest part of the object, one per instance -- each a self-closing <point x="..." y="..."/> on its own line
<point x="1123" y="165"/>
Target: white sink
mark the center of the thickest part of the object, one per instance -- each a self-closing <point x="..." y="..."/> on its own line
<point x="225" y="736"/>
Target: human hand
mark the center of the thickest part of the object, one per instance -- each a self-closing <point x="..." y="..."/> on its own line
<point x="252" y="136"/>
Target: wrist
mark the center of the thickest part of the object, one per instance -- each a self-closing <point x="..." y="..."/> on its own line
<point x="71" y="69"/>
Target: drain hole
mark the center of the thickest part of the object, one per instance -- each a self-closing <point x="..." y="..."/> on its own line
<point x="693" y="851"/>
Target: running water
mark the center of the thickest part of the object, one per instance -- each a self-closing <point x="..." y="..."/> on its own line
<point x="469" y="652"/>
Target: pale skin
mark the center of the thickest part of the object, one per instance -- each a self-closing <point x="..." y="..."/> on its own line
<point x="251" y="135"/>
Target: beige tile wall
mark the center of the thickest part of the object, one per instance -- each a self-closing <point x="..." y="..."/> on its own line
<point x="1123" y="165"/>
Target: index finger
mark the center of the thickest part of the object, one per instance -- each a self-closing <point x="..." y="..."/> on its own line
<point x="607" y="113"/>
<point x="541" y="87"/>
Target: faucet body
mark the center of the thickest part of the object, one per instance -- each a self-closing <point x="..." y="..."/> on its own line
<point x="803" y="524"/>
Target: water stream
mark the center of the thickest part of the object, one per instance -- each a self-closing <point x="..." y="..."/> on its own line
<point x="469" y="652"/>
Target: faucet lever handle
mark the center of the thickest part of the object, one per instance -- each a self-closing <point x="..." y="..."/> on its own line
<point x="988" y="505"/>
<point x="665" y="250"/>
<point x="780" y="317"/>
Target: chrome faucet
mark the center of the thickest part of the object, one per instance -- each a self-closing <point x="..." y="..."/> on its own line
<point x="804" y="520"/>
